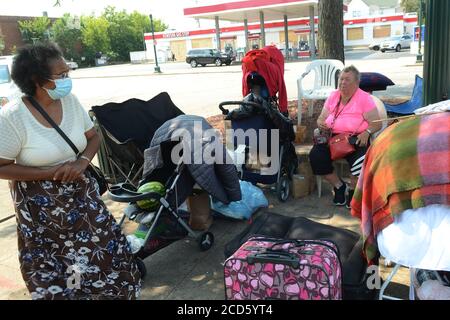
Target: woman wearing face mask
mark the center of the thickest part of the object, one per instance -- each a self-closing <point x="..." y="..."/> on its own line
<point x="70" y="246"/>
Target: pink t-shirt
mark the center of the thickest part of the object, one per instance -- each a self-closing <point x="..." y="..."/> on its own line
<point x="351" y="118"/>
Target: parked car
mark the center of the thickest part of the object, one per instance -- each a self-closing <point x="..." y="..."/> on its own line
<point x="396" y="43"/>
<point x="375" y="45"/>
<point x="72" y="65"/>
<point x="203" y="57"/>
<point x="8" y="89"/>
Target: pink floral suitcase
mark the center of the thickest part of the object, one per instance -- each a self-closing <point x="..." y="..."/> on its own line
<point x="267" y="268"/>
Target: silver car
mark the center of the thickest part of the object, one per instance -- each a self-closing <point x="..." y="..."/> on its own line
<point x="375" y="46"/>
<point x="396" y="43"/>
<point x="72" y="65"/>
<point x="8" y="89"/>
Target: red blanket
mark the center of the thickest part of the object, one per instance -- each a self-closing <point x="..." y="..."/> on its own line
<point x="269" y="63"/>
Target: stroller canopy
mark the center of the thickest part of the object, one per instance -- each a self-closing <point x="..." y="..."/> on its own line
<point x="221" y="181"/>
<point x="268" y="63"/>
<point x="136" y="119"/>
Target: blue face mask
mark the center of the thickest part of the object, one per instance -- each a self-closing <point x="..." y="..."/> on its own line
<point x="63" y="88"/>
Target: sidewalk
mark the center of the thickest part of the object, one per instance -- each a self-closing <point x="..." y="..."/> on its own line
<point x="181" y="271"/>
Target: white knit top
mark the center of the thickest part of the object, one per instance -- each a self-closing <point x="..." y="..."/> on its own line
<point x="29" y="143"/>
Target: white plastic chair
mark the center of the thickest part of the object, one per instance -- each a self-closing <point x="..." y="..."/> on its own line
<point x="325" y="81"/>
<point x="383" y="115"/>
<point x="382" y="296"/>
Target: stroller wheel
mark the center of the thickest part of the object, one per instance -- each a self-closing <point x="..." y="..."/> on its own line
<point x="206" y="241"/>
<point x="283" y="188"/>
<point x="142" y="268"/>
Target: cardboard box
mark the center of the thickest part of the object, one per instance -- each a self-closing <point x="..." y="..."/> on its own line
<point x="304" y="169"/>
<point x="200" y="211"/>
<point x="300" y="134"/>
<point x="253" y="163"/>
<point x="300" y="186"/>
<point x="228" y="136"/>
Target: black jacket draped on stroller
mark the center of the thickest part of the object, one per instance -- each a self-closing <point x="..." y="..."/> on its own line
<point x="179" y="172"/>
<point x="219" y="179"/>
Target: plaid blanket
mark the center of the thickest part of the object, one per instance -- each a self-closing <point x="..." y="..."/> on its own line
<point x="407" y="167"/>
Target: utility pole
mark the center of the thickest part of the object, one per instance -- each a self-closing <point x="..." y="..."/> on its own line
<point x="157" y="69"/>
<point x="419" y="57"/>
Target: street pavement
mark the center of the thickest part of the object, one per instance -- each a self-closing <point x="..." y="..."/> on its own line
<point x="195" y="274"/>
<point x="181" y="271"/>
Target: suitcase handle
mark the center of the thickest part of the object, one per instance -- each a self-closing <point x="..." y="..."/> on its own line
<point x="280" y="257"/>
<point x="294" y="242"/>
<point x="300" y="243"/>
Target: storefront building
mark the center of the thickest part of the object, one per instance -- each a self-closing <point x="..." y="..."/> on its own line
<point x="358" y="32"/>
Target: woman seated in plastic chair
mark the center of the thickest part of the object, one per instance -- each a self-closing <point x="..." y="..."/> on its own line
<point x="347" y="110"/>
<point x="403" y="195"/>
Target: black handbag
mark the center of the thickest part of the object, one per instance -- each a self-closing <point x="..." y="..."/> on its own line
<point x="93" y="170"/>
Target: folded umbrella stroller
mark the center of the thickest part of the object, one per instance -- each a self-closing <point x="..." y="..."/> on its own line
<point x="180" y="155"/>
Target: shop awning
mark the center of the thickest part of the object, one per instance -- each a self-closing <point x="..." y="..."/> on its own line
<point x="250" y="10"/>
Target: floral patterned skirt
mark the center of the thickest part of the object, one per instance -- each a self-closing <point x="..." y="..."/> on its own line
<point x="70" y="246"/>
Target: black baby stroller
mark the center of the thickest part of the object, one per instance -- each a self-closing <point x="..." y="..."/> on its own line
<point x="179" y="175"/>
<point x="126" y="130"/>
<point x="260" y="110"/>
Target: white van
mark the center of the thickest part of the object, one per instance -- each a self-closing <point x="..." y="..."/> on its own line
<point x="8" y="89"/>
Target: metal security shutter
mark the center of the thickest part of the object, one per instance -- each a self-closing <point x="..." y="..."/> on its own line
<point x="178" y="47"/>
<point x="355" y="33"/>
<point x="382" y="31"/>
<point x="202" y="43"/>
<point x="292" y="36"/>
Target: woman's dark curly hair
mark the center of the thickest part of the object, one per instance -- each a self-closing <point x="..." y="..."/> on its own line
<point x="32" y="64"/>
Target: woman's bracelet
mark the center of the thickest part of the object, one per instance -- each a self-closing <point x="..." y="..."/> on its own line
<point x="85" y="158"/>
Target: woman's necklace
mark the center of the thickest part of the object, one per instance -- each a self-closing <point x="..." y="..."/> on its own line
<point x="344" y="101"/>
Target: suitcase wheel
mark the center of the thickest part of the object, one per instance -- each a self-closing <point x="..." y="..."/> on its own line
<point x="206" y="241"/>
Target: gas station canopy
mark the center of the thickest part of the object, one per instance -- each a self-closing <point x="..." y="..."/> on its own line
<point x="250" y="10"/>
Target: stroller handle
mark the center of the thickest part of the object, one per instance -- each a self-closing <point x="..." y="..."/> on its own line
<point x="230" y="103"/>
<point x="124" y="192"/>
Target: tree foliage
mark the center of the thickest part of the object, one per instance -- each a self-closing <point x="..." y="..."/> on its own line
<point x="114" y="33"/>
<point x="94" y="35"/>
<point x="410" y="5"/>
<point x="126" y="31"/>
<point x="35" y="30"/>
<point x="68" y="37"/>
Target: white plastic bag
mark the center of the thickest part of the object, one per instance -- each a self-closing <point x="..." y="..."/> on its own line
<point x="433" y="290"/>
<point x="135" y="243"/>
<point x="238" y="157"/>
<point x="252" y="199"/>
